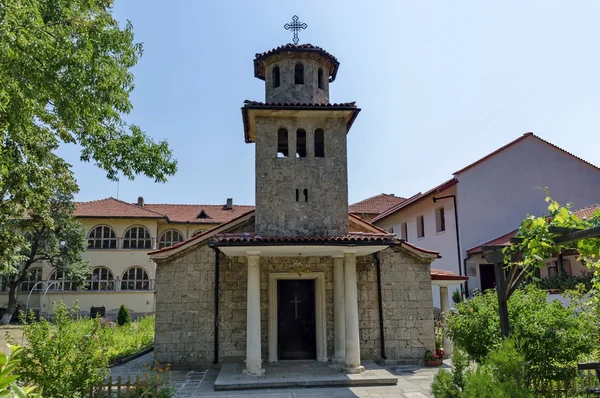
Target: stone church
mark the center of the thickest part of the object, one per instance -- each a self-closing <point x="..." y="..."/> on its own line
<point x="298" y="277"/>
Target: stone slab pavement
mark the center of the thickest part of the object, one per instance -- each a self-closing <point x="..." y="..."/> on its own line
<point x="413" y="382"/>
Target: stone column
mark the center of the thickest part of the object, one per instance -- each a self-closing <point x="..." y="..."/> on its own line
<point x="447" y="344"/>
<point x="253" y="354"/>
<point x="351" y="314"/>
<point x="339" y="320"/>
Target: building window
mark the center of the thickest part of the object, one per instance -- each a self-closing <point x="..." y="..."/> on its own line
<point x="137" y="238"/>
<point x="404" y="232"/>
<point x="102" y="279"/>
<point x="300" y="143"/>
<point x="390" y="230"/>
<point x="420" y="227"/>
<point x="440" y="220"/>
<point x="305" y="192"/>
<point x="102" y="237"/>
<point x="169" y="238"/>
<point x="299" y="74"/>
<point x="135" y="278"/>
<point x="58" y="281"/>
<point x="554" y="267"/>
<point x="319" y="143"/>
<point x="276" y="77"/>
<point x="33" y="276"/>
<point x="282" y="143"/>
<point x="320" y="79"/>
<point x="198" y="232"/>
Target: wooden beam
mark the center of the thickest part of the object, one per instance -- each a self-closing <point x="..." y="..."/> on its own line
<point x="562" y="230"/>
<point x="578" y="235"/>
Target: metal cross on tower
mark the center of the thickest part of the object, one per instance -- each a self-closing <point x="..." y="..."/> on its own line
<point x="295" y="27"/>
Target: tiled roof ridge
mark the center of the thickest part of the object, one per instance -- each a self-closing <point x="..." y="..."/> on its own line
<point x="519" y="139"/>
<point x="375" y="196"/>
<point x="192" y="204"/>
<point x="315" y="104"/>
<point x="293" y="47"/>
<point x="122" y="202"/>
<point x="596" y="205"/>
<point x="258" y="235"/>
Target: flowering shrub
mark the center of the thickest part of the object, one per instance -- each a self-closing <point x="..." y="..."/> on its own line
<point x="9" y="383"/>
<point x="551" y="337"/>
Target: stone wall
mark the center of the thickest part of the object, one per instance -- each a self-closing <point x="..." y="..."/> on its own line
<point x="288" y="91"/>
<point x="277" y="179"/>
<point x="184" y="308"/>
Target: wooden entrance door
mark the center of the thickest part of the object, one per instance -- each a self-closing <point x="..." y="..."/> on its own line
<point x="296" y="331"/>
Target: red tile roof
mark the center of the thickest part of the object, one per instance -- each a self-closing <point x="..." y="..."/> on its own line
<point x="352" y="237"/>
<point x="259" y="69"/>
<point x="252" y="104"/>
<point x="521" y="138"/>
<point x="443" y="275"/>
<point x="189" y="213"/>
<point x="504" y="240"/>
<point x="115" y="208"/>
<point x="375" y="204"/>
<point x="112" y="208"/>
<point x="416" y="198"/>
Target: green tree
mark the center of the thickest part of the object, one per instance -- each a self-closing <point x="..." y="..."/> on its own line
<point x="65" y="79"/>
<point x="123" y="318"/>
<point x="60" y="244"/>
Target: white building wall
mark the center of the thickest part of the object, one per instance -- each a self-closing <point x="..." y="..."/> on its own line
<point x="442" y="242"/>
<point x="495" y="196"/>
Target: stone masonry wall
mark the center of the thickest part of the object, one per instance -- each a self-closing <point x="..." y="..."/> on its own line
<point x="277" y="179"/>
<point x="288" y="91"/>
<point x="184" y="309"/>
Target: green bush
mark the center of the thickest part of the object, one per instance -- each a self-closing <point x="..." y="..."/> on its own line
<point x="551" y="337"/>
<point x="123" y="318"/>
<point x="456" y="296"/>
<point x="562" y="281"/>
<point x="9" y="384"/>
<point x="451" y="384"/>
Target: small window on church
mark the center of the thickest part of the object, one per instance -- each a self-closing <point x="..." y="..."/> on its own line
<point x="300" y="143"/>
<point x="282" y="143"/>
<point x="320" y="79"/>
<point x="297" y="195"/>
<point x="276" y="79"/>
<point x="319" y="143"/>
<point x="299" y="74"/>
<point x="305" y="192"/>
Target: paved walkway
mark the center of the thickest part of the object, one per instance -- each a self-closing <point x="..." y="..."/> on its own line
<point x="413" y="382"/>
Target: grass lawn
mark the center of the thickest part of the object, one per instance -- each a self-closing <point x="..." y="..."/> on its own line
<point x="14" y="331"/>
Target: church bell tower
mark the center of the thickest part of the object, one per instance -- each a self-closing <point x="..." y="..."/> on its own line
<point x="300" y="137"/>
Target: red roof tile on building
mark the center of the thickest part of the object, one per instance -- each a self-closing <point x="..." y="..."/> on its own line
<point x="259" y="71"/>
<point x="352" y="237"/>
<point x="443" y="275"/>
<point x="215" y="214"/>
<point x="521" y="138"/>
<point x="416" y="198"/>
<point x="375" y="204"/>
<point x="112" y="208"/>
<point x="295" y="105"/>
<point x="586" y="212"/>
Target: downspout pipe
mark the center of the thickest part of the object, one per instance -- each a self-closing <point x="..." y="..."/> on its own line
<point x="380" y="304"/>
<point x="458" y="254"/>
<point x="216" y="307"/>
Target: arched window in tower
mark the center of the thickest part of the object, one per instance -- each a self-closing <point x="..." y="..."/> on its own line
<point x="276" y="77"/>
<point x="319" y="143"/>
<point x="300" y="143"/>
<point x="299" y="74"/>
<point x="282" y="143"/>
<point x="320" y="79"/>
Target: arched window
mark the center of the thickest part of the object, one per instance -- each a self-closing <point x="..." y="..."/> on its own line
<point x="320" y="79"/>
<point x="169" y="238"/>
<point x="59" y="281"/>
<point x="102" y="237"/>
<point x="135" y="278"/>
<point x="33" y="276"/>
<point x="282" y="143"/>
<point x="102" y="279"/>
<point x="137" y="237"/>
<point x="198" y="232"/>
<point x="319" y="143"/>
<point x="276" y="77"/>
<point x="300" y="143"/>
<point x="299" y="74"/>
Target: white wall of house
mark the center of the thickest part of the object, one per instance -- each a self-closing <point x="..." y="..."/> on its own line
<point x="442" y="242"/>
<point x="495" y="196"/>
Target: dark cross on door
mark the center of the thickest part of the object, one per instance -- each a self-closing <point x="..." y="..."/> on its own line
<point x="295" y="301"/>
<point x="295" y="27"/>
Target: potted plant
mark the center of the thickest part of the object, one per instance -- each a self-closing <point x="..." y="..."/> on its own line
<point x="439" y="349"/>
<point x="432" y="359"/>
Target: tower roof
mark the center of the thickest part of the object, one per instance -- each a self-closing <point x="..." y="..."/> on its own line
<point x="260" y="58"/>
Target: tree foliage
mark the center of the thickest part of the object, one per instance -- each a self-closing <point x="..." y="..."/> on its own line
<point x="65" y="79"/>
<point x="123" y="318"/>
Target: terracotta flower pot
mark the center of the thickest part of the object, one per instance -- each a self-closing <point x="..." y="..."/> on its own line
<point x="435" y="362"/>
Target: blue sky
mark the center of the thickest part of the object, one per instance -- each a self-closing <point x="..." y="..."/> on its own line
<point x="440" y="85"/>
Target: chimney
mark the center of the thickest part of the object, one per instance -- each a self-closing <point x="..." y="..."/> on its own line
<point x="140" y="201"/>
<point x="229" y="204"/>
